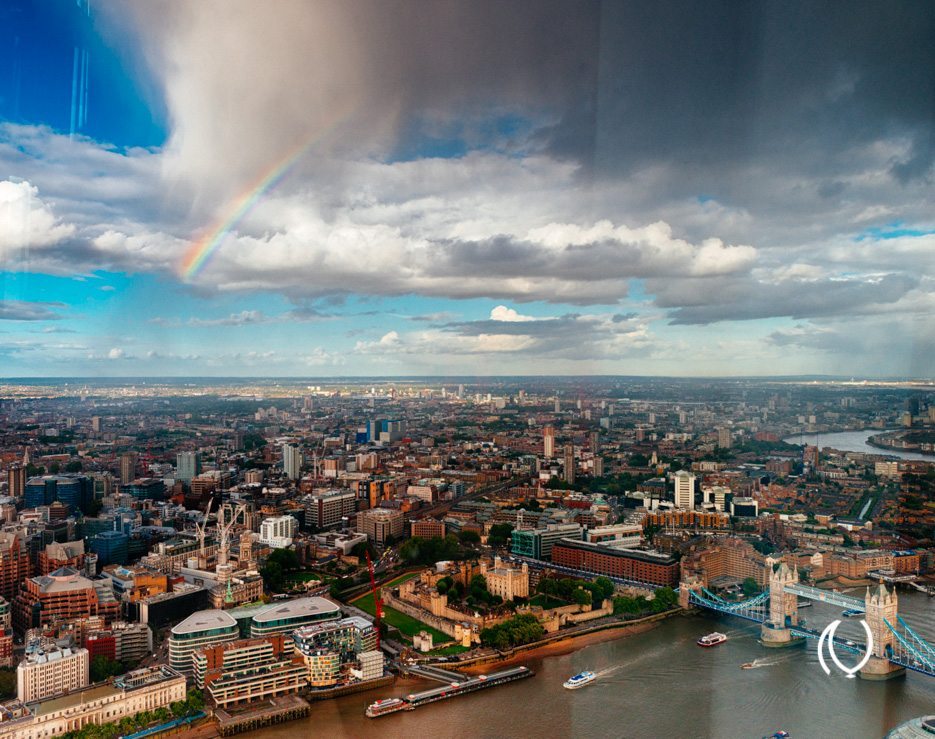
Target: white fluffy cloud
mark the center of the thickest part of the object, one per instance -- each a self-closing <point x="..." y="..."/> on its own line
<point x="26" y="220"/>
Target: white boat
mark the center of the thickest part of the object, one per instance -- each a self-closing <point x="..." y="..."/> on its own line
<point x="711" y="640"/>
<point x="580" y="680"/>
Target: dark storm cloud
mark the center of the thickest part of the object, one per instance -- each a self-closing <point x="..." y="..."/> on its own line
<point x="691" y="303"/>
<point x="19" y="310"/>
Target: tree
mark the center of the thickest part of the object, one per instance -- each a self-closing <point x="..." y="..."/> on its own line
<point x="750" y="587"/>
<point x="102" y="668"/>
<point x="582" y="597"/>
<point x="73" y="466"/>
<point x="469" y="537"/>
<point x="499" y="534"/>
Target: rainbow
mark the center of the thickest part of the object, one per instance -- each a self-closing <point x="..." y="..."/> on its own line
<point x="201" y="250"/>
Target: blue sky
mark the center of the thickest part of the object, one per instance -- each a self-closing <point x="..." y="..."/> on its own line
<point x="530" y="199"/>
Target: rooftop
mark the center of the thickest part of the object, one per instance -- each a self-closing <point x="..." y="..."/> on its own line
<point x="204" y="620"/>
<point x="296" y="609"/>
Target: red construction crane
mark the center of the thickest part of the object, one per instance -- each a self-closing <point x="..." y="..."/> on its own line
<point x="377" y="603"/>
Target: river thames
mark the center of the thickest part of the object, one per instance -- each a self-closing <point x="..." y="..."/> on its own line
<point x="660" y="684"/>
<point x="854" y="441"/>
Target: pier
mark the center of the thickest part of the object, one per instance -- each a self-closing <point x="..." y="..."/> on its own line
<point x="451" y="690"/>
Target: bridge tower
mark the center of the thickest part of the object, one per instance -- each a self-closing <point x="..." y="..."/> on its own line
<point x="783" y="606"/>
<point x="688" y="584"/>
<point x="881" y="604"/>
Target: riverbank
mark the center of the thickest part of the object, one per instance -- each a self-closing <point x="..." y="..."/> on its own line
<point x="564" y="644"/>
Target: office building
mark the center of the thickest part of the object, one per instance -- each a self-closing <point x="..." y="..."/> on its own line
<point x="653" y="568"/>
<point x="17" y="481"/>
<point x="548" y="442"/>
<point x="188" y="466"/>
<point x="51" y="671"/>
<point x="63" y="595"/>
<point x="381" y="523"/>
<point x="684" y="490"/>
<point x="278" y="532"/>
<point x="128" y="467"/>
<point x="292" y="461"/>
<point x="427" y="528"/>
<point x="570" y="464"/>
<point x="14" y="564"/>
<point x="716" y="495"/>
<point x="538" y="543"/>
<point x="293" y="614"/>
<point x="111" y="547"/>
<point x="74" y="491"/>
<point x="146" y="488"/>
<point x="65" y="554"/>
<point x="745" y="507"/>
<point x="329" y="507"/>
<point x="200" y="630"/>
<point x="132" y="641"/>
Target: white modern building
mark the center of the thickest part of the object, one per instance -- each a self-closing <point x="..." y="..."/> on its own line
<point x="278" y="532"/>
<point x="684" y="490"/>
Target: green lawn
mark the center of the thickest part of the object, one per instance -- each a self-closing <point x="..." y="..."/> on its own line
<point x="406" y="625"/>
<point x="402" y="578"/>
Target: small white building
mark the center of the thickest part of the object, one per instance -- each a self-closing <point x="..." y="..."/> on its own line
<point x="278" y="532"/>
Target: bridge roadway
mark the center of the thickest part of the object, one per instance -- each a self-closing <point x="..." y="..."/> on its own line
<point x="826" y="596"/>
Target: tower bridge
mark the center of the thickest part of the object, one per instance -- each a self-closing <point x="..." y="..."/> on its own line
<point x="895" y="649"/>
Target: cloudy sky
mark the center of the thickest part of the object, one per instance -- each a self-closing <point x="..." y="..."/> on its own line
<point x="369" y="187"/>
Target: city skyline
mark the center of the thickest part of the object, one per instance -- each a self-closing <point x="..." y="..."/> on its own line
<point x="370" y="189"/>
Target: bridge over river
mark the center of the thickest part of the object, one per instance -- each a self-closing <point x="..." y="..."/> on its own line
<point x="896" y="647"/>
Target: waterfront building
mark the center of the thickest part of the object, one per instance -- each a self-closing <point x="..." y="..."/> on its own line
<point x="654" y="568"/>
<point x="323" y="667"/>
<point x="145" y="689"/>
<point x="725" y="561"/>
<point x="380" y="523"/>
<point x="329" y="507"/>
<point x="370" y="665"/>
<point x="63" y="595"/>
<point x="538" y="543"/>
<point x="246" y="670"/>
<point x="348" y="637"/>
<point x="51" y="671"/>
<point x="200" y="630"/>
<point x="278" y="532"/>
